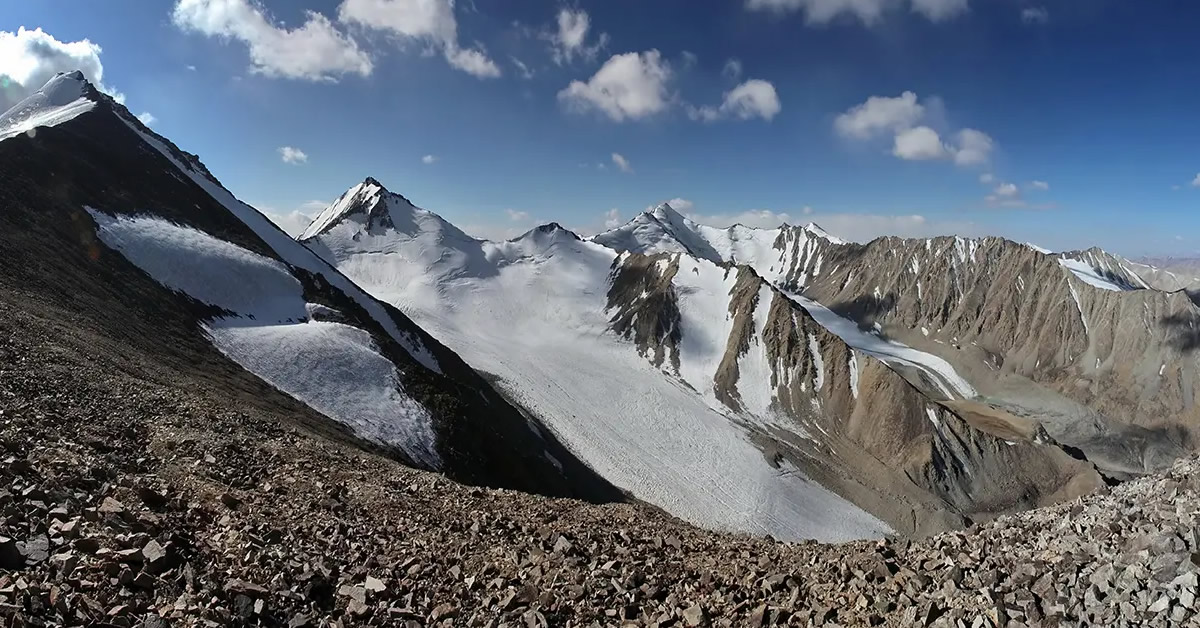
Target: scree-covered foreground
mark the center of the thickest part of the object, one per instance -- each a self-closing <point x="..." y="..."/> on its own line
<point x="130" y="502"/>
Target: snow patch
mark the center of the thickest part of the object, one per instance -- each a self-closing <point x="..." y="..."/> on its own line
<point x="853" y="374"/>
<point x="947" y="380"/>
<point x="1087" y="274"/>
<point x="333" y="368"/>
<point x="292" y="251"/>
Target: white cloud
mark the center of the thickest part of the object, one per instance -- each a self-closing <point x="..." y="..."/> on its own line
<point x="428" y="159"/>
<point x="523" y="69"/>
<point x="681" y="205"/>
<point x="473" y="62"/>
<point x="621" y="163"/>
<point x="628" y="86"/>
<point x="29" y="58"/>
<point x="938" y="10"/>
<point x="919" y="143"/>
<point x="147" y="118"/>
<point x="517" y="216"/>
<point x="867" y="11"/>
<point x="569" y="40"/>
<point x="291" y="155"/>
<point x="612" y="218"/>
<point x="973" y="148"/>
<point x="987" y="178"/>
<point x="753" y="99"/>
<point x="191" y="68"/>
<point x="430" y="21"/>
<point x="732" y="69"/>
<point x="294" y="222"/>
<point x="1196" y="181"/>
<point x="316" y="51"/>
<point x="1035" y="15"/>
<point x="900" y="117"/>
<point x="879" y="114"/>
<point x="1006" y="190"/>
<point x="689" y="59"/>
<point x="1008" y="196"/>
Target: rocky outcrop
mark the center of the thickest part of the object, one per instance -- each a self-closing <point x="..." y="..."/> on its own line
<point x="1096" y="366"/>
<point x="839" y="414"/>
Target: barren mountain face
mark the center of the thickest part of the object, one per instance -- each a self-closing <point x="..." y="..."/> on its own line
<point x="128" y="235"/>
<point x="923" y="382"/>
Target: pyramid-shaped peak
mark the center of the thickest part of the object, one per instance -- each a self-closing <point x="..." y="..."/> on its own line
<point x="817" y="230"/>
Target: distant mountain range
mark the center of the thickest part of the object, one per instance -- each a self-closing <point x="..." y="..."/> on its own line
<point x="771" y="381"/>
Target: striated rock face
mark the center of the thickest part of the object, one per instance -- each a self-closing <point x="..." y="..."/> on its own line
<point x="1075" y="341"/>
<point x="838" y="413"/>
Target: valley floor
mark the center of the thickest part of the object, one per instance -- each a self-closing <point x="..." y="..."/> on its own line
<point x="131" y="500"/>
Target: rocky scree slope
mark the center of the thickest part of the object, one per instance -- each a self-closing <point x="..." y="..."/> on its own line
<point x="121" y="231"/>
<point x="130" y="500"/>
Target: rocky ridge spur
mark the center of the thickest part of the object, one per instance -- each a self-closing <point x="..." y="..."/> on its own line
<point x="129" y="503"/>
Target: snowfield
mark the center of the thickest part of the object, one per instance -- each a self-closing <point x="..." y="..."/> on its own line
<point x="531" y="311"/>
<point x="334" y="368"/>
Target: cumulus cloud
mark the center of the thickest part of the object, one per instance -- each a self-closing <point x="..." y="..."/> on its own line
<point x="292" y="155"/>
<point x="428" y="21"/>
<point x="629" y="86"/>
<point x="621" y="163"/>
<point x="878" y="114"/>
<point x="901" y="117"/>
<point x="973" y="148"/>
<point x="987" y="178"/>
<point x="516" y="216"/>
<point x="918" y="143"/>
<point x="1006" y="190"/>
<point x="753" y="99"/>
<point x="1035" y="15"/>
<point x="316" y="51"/>
<point x="1196" y="181"/>
<point x="681" y="205"/>
<point x="569" y="40"/>
<point x="295" y="221"/>
<point x="147" y="118"/>
<point x="1008" y="196"/>
<point x="428" y="159"/>
<point x="732" y="70"/>
<point x="29" y="58"/>
<point x="867" y="11"/>
<point x="612" y="218"/>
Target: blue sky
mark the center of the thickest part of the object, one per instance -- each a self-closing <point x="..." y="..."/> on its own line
<point x="1055" y="121"/>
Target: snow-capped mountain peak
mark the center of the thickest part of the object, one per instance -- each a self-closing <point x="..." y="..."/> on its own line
<point x="64" y="97"/>
<point x="816" y="230"/>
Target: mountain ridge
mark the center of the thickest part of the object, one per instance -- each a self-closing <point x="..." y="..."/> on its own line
<point x="147" y="234"/>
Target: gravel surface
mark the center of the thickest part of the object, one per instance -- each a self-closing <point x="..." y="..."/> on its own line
<point x="132" y="501"/>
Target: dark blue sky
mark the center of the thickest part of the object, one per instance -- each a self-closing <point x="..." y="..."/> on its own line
<point x="1089" y="109"/>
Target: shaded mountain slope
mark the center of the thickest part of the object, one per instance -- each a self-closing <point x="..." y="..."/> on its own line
<point x="116" y="229"/>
